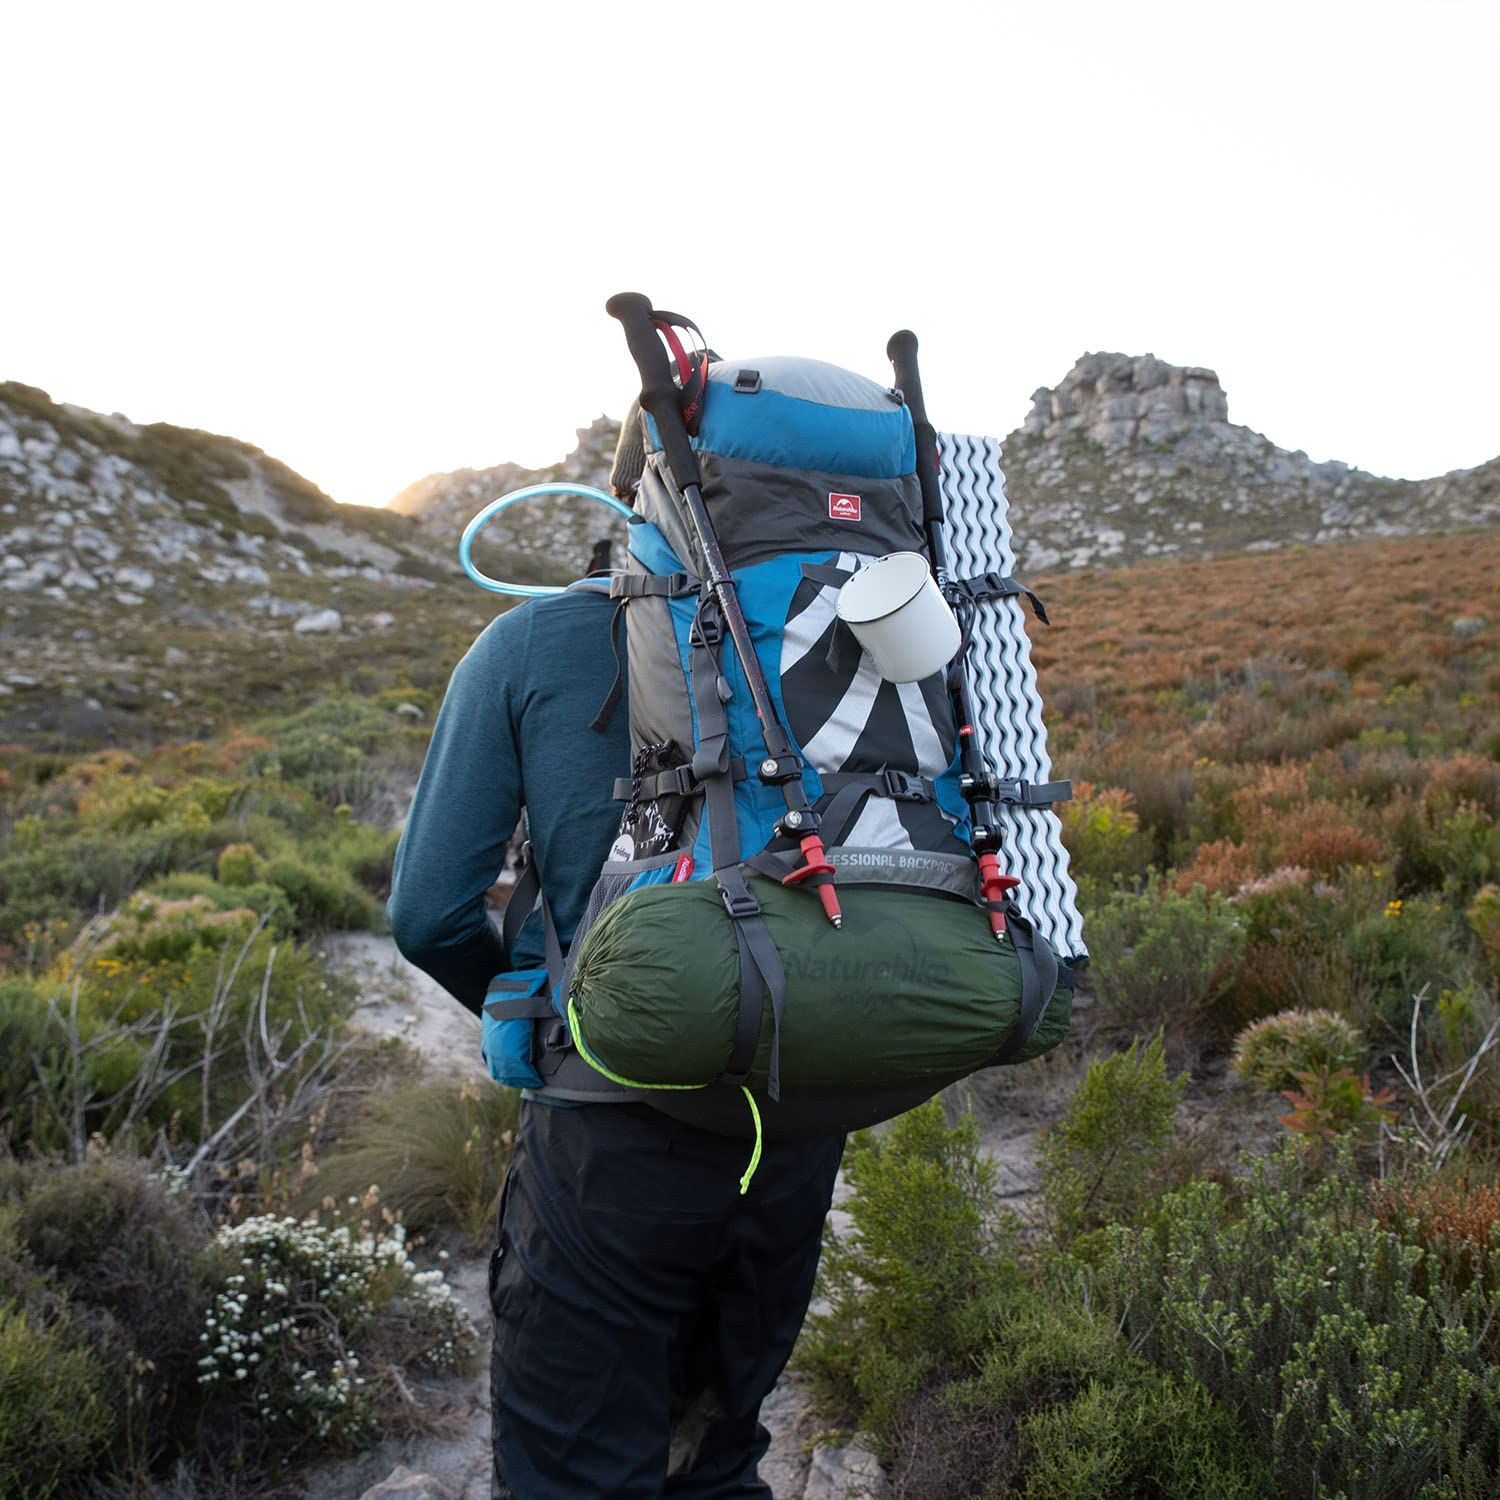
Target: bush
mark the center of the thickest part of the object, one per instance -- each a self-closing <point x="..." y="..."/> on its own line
<point x="121" y="1247"/>
<point x="54" y="1422"/>
<point x="1159" y="959"/>
<point x="1102" y="833"/>
<point x="1306" y="1318"/>
<point x="437" y="1149"/>
<point x="1484" y="918"/>
<point x="1098" y="1159"/>
<point x="1061" y="1410"/>
<point x="1407" y="947"/>
<point x="1453" y="1223"/>
<point x="923" y="1250"/>
<point x="239" y="864"/>
<point x="302" y="1311"/>
<point x="1272" y="1052"/>
<point x="324" y="900"/>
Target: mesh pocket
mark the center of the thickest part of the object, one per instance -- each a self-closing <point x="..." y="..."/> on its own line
<point x="615" y="879"/>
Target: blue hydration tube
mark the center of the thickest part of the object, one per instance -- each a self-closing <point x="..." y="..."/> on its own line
<point x="526" y="590"/>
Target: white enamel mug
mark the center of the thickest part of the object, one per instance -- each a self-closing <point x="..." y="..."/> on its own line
<point x="898" y="614"/>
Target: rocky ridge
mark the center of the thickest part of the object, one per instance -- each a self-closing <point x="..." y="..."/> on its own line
<point x="94" y="507"/>
<point x="1130" y="457"/>
<point x="555" y="534"/>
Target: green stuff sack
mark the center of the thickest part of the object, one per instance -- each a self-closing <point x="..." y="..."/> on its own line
<point x="914" y="990"/>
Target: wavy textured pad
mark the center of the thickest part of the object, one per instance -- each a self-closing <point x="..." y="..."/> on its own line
<point x="1007" y="705"/>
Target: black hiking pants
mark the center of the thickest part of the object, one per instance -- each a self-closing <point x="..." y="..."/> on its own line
<point x="643" y="1308"/>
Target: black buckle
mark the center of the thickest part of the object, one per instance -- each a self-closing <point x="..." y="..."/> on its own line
<point x="1029" y="794"/>
<point x="676" y="781"/>
<point x="903" y="787"/>
<point x="556" y="1038"/>
<point x="740" y="904"/>
<point x="747" y="382"/>
<point x="708" y="630"/>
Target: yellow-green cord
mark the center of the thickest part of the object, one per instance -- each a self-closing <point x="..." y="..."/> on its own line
<point x="630" y="1083"/>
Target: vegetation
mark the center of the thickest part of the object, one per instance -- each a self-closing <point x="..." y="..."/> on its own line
<point x="1285" y="831"/>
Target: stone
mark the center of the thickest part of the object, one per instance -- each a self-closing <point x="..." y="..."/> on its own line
<point x="139" y="580"/>
<point x="403" y="1484"/>
<point x="1466" y="627"/>
<point x="320" y="622"/>
<point x="78" y="578"/>
<point x="409" y="711"/>
<point x="175" y="656"/>
<point x="383" y="620"/>
<point x="851" y="1473"/>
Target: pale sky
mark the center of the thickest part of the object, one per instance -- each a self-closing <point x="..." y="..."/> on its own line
<point x="375" y="240"/>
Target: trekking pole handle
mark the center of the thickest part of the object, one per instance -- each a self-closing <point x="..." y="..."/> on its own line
<point x="658" y="391"/>
<point x="901" y="350"/>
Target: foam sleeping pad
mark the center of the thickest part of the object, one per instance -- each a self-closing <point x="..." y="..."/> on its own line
<point x="912" y="990"/>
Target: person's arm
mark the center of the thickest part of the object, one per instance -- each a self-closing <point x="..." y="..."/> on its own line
<point x="466" y="807"/>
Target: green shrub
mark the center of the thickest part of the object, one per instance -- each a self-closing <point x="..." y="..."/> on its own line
<point x="1411" y="945"/>
<point x="1102" y="833"/>
<point x="436" y="1148"/>
<point x="308" y="1322"/>
<point x="1141" y="1434"/>
<point x="1158" y="959"/>
<point x="325" y="900"/>
<point x="1303" y="1316"/>
<point x="924" y="1249"/>
<point x="133" y="1256"/>
<point x="55" y="1424"/>
<point x="239" y="864"/>
<point x="1060" y="1409"/>
<point x="1483" y="917"/>
<point x="1097" y="1161"/>
<point x="1272" y="1052"/>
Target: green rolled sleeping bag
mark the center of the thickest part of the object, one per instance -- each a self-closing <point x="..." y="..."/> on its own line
<point x="913" y="990"/>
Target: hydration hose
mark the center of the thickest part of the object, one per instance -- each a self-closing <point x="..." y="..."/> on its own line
<point x="493" y="509"/>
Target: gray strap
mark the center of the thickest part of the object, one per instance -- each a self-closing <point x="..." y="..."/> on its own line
<point x="899" y="786"/>
<point x="554" y="958"/>
<point x="524" y="895"/>
<point x="565" y="1075"/>
<point x="1038" y="979"/>
<point x="651" y="585"/>
<point x="525" y="1007"/>
<point x="712" y="763"/>
<point x="761" y="977"/>
<point x="676" y="781"/>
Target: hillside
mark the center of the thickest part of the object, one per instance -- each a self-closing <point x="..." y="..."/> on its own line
<point x="144" y="569"/>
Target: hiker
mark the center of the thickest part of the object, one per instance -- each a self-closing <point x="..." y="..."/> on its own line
<point x="643" y="1305"/>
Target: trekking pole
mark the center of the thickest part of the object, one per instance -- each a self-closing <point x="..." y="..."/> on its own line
<point x="782" y="766"/>
<point x="978" y="784"/>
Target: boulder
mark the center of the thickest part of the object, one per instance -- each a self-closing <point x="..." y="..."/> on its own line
<point x="320" y="622"/>
<point x="403" y="1484"/>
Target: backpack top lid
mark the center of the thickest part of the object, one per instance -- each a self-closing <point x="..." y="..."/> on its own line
<point x="804" y="414"/>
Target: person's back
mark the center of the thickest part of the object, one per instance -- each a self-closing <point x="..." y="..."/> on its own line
<point x="643" y="1306"/>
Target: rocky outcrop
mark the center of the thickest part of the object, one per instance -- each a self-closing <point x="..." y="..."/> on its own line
<point x="546" y="540"/>
<point x="1130" y="457"/>
<point x="95" y="508"/>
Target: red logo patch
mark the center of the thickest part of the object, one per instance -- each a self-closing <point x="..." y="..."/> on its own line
<point x="843" y="507"/>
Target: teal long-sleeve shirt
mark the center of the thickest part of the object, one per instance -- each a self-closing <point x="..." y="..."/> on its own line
<point x="513" y="732"/>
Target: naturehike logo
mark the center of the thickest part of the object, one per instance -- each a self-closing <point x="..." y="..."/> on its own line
<point x="843" y="507"/>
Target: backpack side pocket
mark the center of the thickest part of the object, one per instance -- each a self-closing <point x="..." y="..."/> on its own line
<point x="512" y="1003"/>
